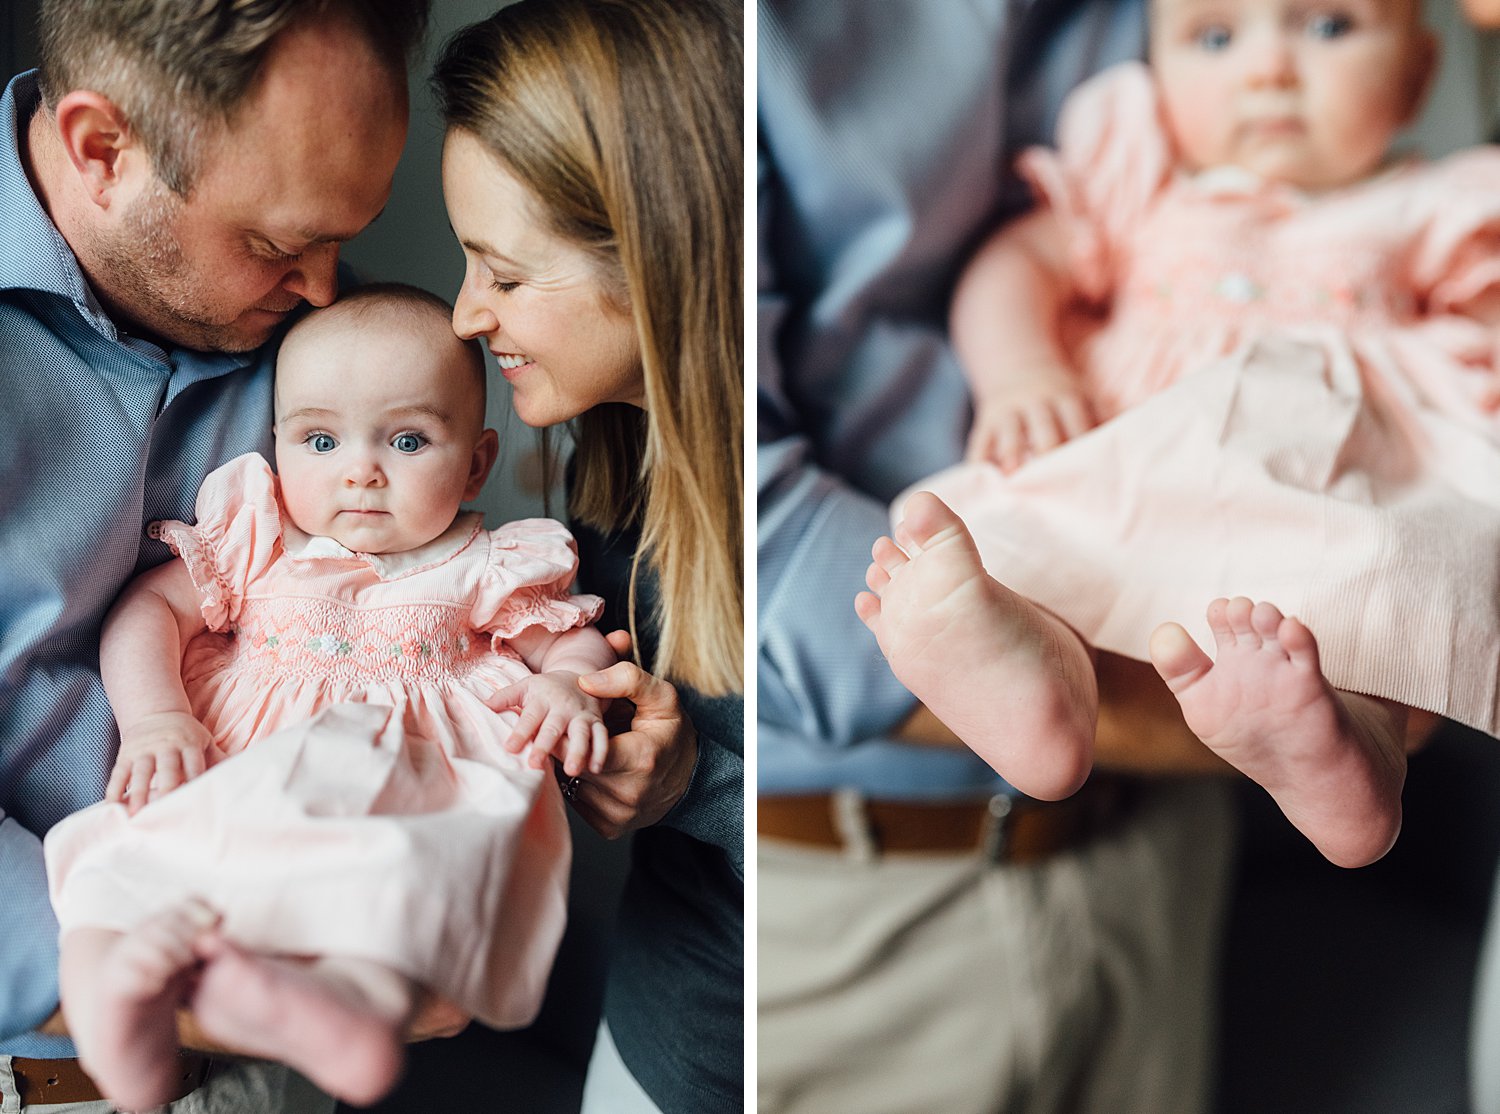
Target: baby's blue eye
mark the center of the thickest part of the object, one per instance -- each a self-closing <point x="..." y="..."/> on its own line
<point x="1332" y="25"/>
<point x="321" y="443"/>
<point x="1214" y="38"/>
<point x="408" y="442"/>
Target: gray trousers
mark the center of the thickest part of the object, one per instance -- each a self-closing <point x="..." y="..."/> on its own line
<point x="243" y="1087"/>
<point x="1083" y="984"/>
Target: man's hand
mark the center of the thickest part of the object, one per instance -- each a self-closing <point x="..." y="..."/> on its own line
<point x="1034" y="412"/>
<point x="157" y="754"/>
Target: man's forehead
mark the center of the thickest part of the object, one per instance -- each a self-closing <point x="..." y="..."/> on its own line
<point x="311" y="152"/>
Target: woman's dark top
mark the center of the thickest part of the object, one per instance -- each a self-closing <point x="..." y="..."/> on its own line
<point x="675" y="992"/>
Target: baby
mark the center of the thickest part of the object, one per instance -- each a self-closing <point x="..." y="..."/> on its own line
<point x="1287" y="337"/>
<point x="373" y="661"/>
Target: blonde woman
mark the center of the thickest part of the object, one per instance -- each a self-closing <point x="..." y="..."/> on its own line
<point x="592" y="172"/>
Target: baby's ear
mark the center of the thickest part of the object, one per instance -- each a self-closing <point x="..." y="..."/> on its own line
<point x="486" y="449"/>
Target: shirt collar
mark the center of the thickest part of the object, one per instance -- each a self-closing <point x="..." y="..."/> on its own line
<point x="37" y="257"/>
<point x="300" y="546"/>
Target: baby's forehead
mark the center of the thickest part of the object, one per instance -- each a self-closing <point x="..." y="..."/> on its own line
<point x="357" y="356"/>
<point x="357" y="317"/>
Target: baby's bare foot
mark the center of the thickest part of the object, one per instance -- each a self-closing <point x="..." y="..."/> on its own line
<point x="1010" y="680"/>
<point x="1333" y="761"/>
<point x="339" y="1027"/>
<point x="121" y="993"/>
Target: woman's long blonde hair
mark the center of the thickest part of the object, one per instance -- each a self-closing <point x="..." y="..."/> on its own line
<point x="624" y="118"/>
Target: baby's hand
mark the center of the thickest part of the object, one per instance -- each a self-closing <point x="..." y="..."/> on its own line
<point x="1037" y="411"/>
<point x="557" y="718"/>
<point x="157" y="754"/>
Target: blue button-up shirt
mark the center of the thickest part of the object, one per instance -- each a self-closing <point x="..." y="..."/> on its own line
<point x="104" y="433"/>
<point x="886" y="136"/>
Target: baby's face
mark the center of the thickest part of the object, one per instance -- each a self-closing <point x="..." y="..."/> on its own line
<point x="1310" y="94"/>
<point x="378" y="431"/>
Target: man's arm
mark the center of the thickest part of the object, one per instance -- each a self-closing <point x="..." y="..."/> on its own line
<point x="821" y="675"/>
<point x="28" y="934"/>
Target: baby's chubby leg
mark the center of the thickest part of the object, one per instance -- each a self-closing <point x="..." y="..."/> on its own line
<point x="121" y="992"/>
<point x="1333" y="761"/>
<point x="340" y="1022"/>
<point x="1012" y="681"/>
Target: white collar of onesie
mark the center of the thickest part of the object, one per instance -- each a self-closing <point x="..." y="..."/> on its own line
<point x="300" y="546"/>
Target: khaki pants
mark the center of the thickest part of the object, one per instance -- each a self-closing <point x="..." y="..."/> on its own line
<point x="1084" y="984"/>
<point x="247" y="1087"/>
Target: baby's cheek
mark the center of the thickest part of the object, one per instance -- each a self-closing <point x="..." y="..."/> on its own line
<point x="1200" y="128"/>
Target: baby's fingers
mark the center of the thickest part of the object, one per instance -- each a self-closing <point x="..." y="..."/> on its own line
<point x="1010" y="441"/>
<point x="982" y="440"/>
<point x="576" y="752"/>
<point x="548" y="736"/>
<point x="168" y="775"/>
<point x="511" y="696"/>
<point x="525" y="729"/>
<point x="1042" y="434"/>
<point x="1074" y="416"/>
<point x="142" y="769"/>
<point x="599" y="738"/>
<point x="194" y="763"/>
<point x="119" y="780"/>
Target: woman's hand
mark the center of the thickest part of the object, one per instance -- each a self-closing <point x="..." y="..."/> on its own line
<point x="649" y="766"/>
<point x="157" y="754"/>
<point x="557" y="719"/>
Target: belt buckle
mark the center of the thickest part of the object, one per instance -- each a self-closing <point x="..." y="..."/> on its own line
<point x="996" y="827"/>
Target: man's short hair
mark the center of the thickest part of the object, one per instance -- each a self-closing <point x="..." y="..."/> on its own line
<point x="179" y="68"/>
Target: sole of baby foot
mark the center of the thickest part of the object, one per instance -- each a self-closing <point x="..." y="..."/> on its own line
<point x="1011" y="681"/>
<point x="122" y="992"/>
<point x="1334" y="762"/>
<point x="285" y="1010"/>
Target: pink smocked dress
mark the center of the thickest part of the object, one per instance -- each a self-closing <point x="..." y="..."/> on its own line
<point x="1292" y="409"/>
<point x="369" y="809"/>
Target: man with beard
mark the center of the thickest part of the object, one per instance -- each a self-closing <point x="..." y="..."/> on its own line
<point x="175" y="181"/>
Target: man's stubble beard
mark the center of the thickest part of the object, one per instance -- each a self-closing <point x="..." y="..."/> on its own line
<point x="147" y="277"/>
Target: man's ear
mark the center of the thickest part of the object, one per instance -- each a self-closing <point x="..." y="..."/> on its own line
<point x="99" y="143"/>
<point x="486" y="449"/>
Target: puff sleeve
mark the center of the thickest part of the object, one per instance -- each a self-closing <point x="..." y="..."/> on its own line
<point x="1113" y="158"/>
<point x="234" y="538"/>
<point x="1456" y="257"/>
<point x="531" y="566"/>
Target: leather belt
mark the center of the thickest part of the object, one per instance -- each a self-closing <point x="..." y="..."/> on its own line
<point x="1004" y="829"/>
<point x="50" y="1082"/>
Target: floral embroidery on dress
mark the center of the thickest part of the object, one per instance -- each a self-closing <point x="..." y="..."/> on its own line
<point x="325" y="640"/>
